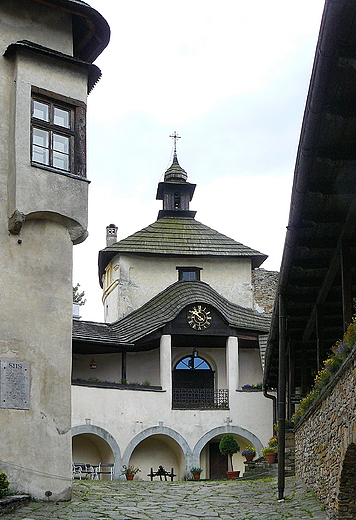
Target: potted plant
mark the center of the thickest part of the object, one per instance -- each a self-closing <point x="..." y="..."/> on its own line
<point x="249" y="452"/>
<point x="129" y="471"/>
<point x="228" y="446"/>
<point x="196" y="472"/>
<point x="270" y="451"/>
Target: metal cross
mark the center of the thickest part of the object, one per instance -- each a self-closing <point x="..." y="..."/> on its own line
<point x="175" y="136"/>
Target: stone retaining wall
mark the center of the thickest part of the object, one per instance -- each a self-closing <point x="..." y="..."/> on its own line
<point x="326" y="444"/>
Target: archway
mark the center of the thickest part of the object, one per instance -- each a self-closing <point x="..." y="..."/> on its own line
<point x="157" y="446"/>
<point x="92" y="445"/>
<point x="206" y="451"/>
<point x="347" y="493"/>
<point x="193" y="383"/>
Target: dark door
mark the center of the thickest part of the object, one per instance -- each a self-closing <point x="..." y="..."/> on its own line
<point x="217" y="461"/>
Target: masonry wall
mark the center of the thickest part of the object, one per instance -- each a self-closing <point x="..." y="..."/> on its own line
<point x="326" y="443"/>
<point x="264" y="285"/>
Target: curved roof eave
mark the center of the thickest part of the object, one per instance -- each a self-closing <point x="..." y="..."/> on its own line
<point x="91" y="31"/>
<point x="164" y="307"/>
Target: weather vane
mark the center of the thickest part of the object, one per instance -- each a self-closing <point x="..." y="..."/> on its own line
<point x="175" y="136"/>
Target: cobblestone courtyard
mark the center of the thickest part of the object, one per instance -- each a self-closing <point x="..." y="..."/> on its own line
<point x="138" y="500"/>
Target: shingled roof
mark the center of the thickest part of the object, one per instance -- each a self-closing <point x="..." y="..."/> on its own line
<point x="179" y="237"/>
<point x="162" y="309"/>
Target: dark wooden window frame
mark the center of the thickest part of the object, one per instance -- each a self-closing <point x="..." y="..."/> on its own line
<point x="76" y="133"/>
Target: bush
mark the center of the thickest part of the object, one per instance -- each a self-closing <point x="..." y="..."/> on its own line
<point x="4" y="485"/>
<point x="228" y="446"/>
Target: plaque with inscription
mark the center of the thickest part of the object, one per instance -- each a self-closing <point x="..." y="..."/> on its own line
<point x="15" y="385"/>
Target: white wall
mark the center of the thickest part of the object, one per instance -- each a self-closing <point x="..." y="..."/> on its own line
<point x="135" y="279"/>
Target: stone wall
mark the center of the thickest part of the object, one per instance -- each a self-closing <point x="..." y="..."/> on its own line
<point x="326" y="444"/>
<point x="264" y="285"/>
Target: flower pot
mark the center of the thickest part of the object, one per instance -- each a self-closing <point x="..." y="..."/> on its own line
<point x="232" y="474"/>
<point x="249" y="458"/>
<point x="130" y="476"/>
<point x="196" y="476"/>
<point x="271" y="457"/>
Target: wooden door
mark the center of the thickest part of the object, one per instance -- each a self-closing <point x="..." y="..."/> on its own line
<point x="218" y="462"/>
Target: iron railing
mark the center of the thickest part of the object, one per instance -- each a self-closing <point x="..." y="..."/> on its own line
<point x="200" y="399"/>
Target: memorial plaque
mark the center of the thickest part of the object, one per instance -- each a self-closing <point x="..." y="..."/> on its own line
<point x="15" y="385"/>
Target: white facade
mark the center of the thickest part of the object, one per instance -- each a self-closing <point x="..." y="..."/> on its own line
<point x="132" y="280"/>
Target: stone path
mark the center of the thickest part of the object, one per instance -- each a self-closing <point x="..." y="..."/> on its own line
<point x="209" y="500"/>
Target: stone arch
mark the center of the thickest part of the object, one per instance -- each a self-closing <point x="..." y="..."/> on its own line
<point x="347" y="492"/>
<point x="158" y="430"/>
<point x="105" y="436"/>
<point x="220" y="430"/>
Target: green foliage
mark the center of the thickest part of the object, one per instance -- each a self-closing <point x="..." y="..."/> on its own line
<point x="78" y="297"/>
<point x="196" y="470"/>
<point x="129" y="470"/>
<point x="228" y="446"/>
<point x="340" y="351"/>
<point x="4" y="485"/>
<point x="146" y="383"/>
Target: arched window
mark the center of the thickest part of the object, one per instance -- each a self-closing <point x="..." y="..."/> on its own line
<point x="192" y="363"/>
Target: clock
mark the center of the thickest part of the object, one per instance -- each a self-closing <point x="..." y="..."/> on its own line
<point x="199" y="317"/>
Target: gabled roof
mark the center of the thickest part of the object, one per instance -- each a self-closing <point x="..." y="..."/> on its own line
<point x="163" y="308"/>
<point x="179" y="237"/>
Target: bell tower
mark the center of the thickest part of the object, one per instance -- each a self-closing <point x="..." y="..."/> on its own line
<point x="175" y="192"/>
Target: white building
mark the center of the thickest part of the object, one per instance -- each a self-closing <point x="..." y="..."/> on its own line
<point x="46" y="72"/>
<point x="182" y="331"/>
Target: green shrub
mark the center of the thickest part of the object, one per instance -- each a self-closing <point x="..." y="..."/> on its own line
<point x="4" y="485"/>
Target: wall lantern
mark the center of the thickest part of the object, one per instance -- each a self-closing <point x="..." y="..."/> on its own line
<point x="92" y="364"/>
<point x="195" y="353"/>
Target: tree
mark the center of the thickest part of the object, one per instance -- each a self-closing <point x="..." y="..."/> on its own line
<point x="228" y="446"/>
<point x="78" y="297"/>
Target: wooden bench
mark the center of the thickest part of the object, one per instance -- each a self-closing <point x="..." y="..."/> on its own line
<point x="161" y="472"/>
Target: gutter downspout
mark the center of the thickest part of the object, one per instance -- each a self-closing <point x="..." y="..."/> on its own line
<point x="274" y="404"/>
<point x="281" y="396"/>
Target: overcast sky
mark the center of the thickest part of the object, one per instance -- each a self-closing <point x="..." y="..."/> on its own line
<point x="231" y="77"/>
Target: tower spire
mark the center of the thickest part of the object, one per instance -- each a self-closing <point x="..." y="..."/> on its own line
<point x="175" y="137"/>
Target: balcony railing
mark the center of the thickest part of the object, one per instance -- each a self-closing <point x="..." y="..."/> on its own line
<point x="200" y="399"/>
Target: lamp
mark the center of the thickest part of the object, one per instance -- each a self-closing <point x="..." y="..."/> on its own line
<point x="92" y="364"/>
<point x="195" y="353"/>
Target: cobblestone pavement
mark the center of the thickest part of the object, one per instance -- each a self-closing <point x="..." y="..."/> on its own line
<point x="208" y="500"/>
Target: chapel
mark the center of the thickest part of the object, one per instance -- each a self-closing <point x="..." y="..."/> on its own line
<point x="178" y="361"/>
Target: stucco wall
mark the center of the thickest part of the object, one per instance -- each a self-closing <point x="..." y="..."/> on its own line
<point x="135" y="279"/>
<point x="36" y="264"/>
<point x="323" y="438"/>
<point x="128" y="415"/>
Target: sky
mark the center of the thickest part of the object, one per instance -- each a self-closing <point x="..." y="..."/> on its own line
<point x="231" y="78"/>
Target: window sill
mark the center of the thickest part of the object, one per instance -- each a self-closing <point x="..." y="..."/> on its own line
<point x="59" y="172"/>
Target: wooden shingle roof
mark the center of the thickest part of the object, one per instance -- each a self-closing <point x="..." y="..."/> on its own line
<point x="179" y="237"/>
<point x="162" y="309"/>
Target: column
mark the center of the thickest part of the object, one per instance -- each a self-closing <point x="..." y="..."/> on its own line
<point x="232" y="364"/>
<point x="165" y="352"/>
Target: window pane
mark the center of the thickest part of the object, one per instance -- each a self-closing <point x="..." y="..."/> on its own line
<point x="61" y="117"/>
<point x="60" y="161"/>
<point x="41" y="111"/>
<point x="189" y="275"/>
<point x="60" y="143"/>
<point x="40" y="137"/>
<point x="40" y="155"/>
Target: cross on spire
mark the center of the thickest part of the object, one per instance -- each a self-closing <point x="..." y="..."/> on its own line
<point x="175" y="136"/>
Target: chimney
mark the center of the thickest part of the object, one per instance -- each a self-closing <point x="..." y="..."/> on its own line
<point x="111" y="235"/>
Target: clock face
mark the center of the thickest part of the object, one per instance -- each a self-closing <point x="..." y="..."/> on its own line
<point x="199" y="317"/>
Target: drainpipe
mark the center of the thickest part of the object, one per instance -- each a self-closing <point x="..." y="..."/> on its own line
<point x="281" y="397"/>
<point x="274" y="405"/>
